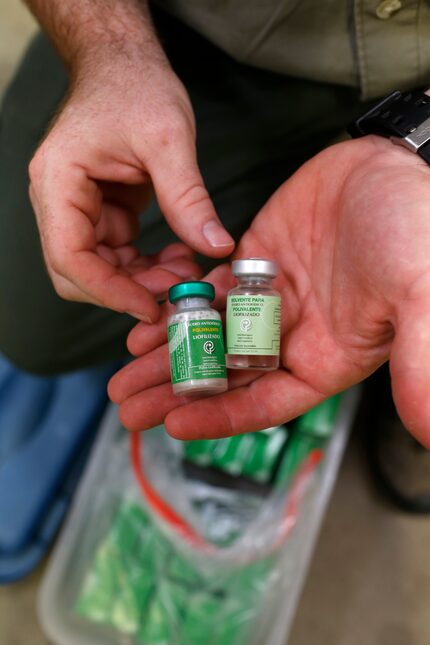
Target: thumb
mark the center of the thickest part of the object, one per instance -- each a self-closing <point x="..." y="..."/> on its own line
<point x="184" y="200"/>
<point x="410" y="368"/>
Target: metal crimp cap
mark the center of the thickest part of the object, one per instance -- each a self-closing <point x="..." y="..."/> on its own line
<point x="191" y="290"/>
<point x="255" y="266"/>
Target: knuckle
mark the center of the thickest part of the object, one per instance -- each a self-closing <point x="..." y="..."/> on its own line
<point x="35" y="167"/>
<point x="114" y="390"/>
<point x="43" y="159"/>
<point x="193" y="195"/>
<point x="167" y="132"/>
<point x="132" y="345"/>
<point x="60" y="286"/>
<point x="55" y="261"/>
<point x="127" y="416"/>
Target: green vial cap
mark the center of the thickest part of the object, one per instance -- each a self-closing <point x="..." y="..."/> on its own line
<point x="191" y="290"/>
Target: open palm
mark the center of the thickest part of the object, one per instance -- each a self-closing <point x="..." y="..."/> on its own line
<point x="350" y="232"/>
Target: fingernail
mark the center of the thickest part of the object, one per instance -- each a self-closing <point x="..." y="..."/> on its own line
<point x="141" y="317"/>
<point x="216" y="235"/>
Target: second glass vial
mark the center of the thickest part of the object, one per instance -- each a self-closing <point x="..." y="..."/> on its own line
<point x="253" y="316"/>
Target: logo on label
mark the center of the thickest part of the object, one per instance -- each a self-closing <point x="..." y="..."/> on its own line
<point x="245" y="324"/>
<point x="209" y="347"/>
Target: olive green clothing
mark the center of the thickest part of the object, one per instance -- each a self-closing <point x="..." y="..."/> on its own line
<point x="375" y="45"/>
<point x="254" y="128"/>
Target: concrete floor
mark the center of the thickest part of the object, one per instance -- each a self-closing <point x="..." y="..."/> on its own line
<point x="369" y="582"/>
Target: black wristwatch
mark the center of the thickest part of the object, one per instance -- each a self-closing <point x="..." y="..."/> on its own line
<point x="404" y="117"/>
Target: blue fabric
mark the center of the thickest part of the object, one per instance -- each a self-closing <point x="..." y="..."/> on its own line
<point x="46" y="429"/>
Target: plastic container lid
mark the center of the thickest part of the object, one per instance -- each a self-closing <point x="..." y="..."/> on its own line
<point x="255" y="266"/>
<point x="191" y="289"/>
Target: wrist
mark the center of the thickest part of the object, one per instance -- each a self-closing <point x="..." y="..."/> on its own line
<point x="379" y="151"/>
<point x="115" y="60"/>
<point x="91" y="35"/>
<point x="125" y="51"/>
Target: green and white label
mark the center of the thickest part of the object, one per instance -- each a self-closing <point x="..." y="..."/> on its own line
<point x="196" y="349"/>
<point x="253" y="325"/>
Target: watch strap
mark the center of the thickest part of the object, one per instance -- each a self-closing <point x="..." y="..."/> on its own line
<point x="397" y="116"/>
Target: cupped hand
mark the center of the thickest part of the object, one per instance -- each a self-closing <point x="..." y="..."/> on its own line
<point x="350" y="232"/>
<point x="127" y="127"/>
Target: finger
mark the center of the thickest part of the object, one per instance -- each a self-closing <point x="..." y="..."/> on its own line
<point x="108" y="254"/>
<point x="410" y="368"/>
<point x="117" y="226"/>
<point x="145" y="372"/>
<point x="121" y="256"/>
<point x="174" y="250"/>
<point x="170" y="253"/>
<point x="270" y="400"/>
<point x="154" y="369"/>
<point x="157" y="284"/>
<point x="67" y="290"/>
<point x="184" y="199"/>
<point x="184" y="268"/>
<point x="126" y="254"/>
<point x="157" y="281"/>
<point x="237" y="411"/>
<point x="149" y="408"/>
<point x="112" y="288"/>
<point x="144" y="338"/>
<point x="223" y="280"/>
<point x="67" y="217"/>
<point x="181" y="267"/>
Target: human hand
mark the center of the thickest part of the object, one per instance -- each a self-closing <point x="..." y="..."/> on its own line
<point x="126" y="127"/>
<point x="350" y="232"/>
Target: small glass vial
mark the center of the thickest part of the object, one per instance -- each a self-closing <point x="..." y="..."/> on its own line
<point x="196" y="343"/>
<point x="253" y="317"/>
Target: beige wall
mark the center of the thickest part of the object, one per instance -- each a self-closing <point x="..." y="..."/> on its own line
<point x="16" y="27"/>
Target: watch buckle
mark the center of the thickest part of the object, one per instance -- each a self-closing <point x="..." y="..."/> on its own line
<point x="416" y="137"/>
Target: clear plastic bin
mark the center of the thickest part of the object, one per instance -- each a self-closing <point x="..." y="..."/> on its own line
<point x="76" y="546"/>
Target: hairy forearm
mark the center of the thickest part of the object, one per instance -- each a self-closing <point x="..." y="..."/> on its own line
<point x="87" y="32"/>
